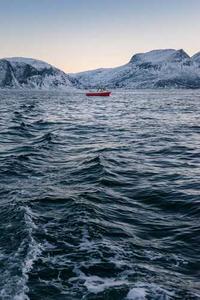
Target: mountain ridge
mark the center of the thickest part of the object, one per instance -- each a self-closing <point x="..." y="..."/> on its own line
<point x="28" y="73"/>
<point x="162" y="68"/>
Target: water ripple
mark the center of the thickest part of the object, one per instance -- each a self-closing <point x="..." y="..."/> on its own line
<point x="99" y="197"/>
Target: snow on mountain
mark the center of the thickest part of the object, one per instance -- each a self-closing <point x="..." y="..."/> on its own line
<point x="160" y="56"/>
<point x="167" y="68"/>
<point x="155" y="69"/>
<point x="17" y="72"/>
<point x="38" y="64"/>
<point x="154" y="56"/>
<point x="196" y="58"/>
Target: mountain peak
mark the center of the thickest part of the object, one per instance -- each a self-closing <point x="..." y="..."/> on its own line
<point x="31" y="73"/>
<point x="38" y="64"/>
<point x="159" y="56"/>
<point x="154" y="56"/>
<point x="178" y="56"/>
<point x="163" y="68"/>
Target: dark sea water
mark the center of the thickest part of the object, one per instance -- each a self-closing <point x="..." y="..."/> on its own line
<point x="100" y="197"/>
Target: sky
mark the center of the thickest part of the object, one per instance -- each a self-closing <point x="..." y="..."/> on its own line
<point x="78" y="35"/>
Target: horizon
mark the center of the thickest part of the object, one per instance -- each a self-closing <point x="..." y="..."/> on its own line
<point x="48" y="62"/>
<point x="76" y="36"/>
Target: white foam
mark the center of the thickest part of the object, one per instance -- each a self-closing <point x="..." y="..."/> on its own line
<point x="96" y="284"/>
<point x="142" y="290"/>
<point x="137" y="294"/>
<point x="35" y="250"/>
<point x="16" y="287"/>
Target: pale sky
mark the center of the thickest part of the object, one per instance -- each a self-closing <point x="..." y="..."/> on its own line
<point x="77" y="35"/>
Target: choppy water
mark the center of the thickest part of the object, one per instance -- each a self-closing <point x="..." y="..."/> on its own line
<point x="100" y="198"/>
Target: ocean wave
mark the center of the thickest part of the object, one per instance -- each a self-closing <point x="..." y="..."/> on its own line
<point x="99" y="199"/>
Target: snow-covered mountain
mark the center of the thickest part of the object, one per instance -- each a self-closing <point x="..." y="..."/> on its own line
<point x="29" y="73"/>
<point x="196" y="58"/>
<point x="167" y="68"/>
<point x="155" y="69"/>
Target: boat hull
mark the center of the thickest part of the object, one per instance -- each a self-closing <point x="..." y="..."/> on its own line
<point x="97" y="94"/>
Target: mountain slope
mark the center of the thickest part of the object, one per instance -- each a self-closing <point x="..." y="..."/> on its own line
<point x="167" y="68"/>
<point x="155" y="69"/>
<point x="196" y="58"/>
<point x="28" y="73"/>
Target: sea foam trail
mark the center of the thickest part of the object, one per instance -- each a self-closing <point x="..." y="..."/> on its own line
<point x="15" y="287"/>
<point x="99" y="199"/>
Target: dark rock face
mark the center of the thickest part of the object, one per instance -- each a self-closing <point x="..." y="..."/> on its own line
<point x="155" y="69"/>
<point x="25" y="73"/>
<point x="196" y="59"/>
<point x="6" y="77"/>
<point x="178" y="83"/>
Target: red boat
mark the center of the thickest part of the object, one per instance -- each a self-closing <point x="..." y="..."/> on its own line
<point x="101" y="93"/>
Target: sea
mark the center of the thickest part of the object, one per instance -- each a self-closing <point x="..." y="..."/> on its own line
<point x="100" y="196"/>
